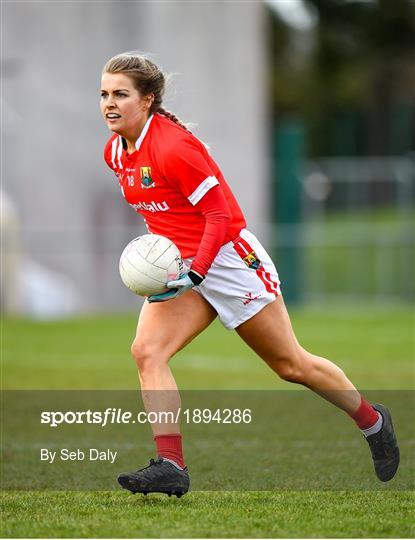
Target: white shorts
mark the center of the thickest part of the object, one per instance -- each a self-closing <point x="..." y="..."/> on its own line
<point x="241" y="281"/>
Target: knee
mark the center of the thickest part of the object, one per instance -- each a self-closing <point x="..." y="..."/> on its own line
<point x="291" y="367"/>
<point x="147" y="356"/>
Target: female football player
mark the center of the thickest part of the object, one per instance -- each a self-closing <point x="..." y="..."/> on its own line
<point x="168" y="176"/>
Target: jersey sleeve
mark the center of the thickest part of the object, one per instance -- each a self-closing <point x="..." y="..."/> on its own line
<point x="218" y="215"/>
<point x="112" y="153"/>
<point x="187" y="167"/>
<point x="107" y="154"/>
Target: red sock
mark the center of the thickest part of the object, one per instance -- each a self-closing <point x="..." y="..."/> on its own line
<point x="365" y="416"/>
<point x="170" y="447"/>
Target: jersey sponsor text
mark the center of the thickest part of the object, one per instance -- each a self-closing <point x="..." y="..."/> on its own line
<point x="151" y="207"/>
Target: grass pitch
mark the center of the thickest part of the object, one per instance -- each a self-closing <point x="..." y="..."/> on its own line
<point x="375" y="348"/>
<point x="209" y="515"/>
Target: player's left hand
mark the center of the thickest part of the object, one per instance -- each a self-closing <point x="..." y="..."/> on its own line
<point x="178" y="287"/>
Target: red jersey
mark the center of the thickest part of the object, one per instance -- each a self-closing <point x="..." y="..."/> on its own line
<point x="164" y="179"/>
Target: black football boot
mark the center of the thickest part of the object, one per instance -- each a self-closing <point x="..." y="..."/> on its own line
<point x="161" y="476"/>
<point x="384" y="448"/>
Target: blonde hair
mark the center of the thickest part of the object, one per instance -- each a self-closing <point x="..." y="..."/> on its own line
<point x="147" y="78"/>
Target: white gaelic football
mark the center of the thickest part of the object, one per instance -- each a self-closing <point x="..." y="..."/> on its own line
<point x="148" y="263"/>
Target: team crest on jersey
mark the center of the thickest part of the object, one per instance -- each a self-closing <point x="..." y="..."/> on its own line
<point x="252" y="260"/>
<point x="146" y="180"/>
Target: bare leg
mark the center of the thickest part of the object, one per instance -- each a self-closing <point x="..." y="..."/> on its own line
<point x="270" y="335"/>
<point x="163" y="329"/>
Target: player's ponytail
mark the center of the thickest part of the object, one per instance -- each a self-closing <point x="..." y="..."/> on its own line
<point x="147" y="78"/>
<point x="172" y="117"/>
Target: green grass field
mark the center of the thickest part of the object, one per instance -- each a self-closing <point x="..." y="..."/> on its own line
<point x="374" y="347"/>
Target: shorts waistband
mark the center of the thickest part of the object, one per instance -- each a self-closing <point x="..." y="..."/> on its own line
<point x="234" y="240"/>
<point x="229" y="244"/>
